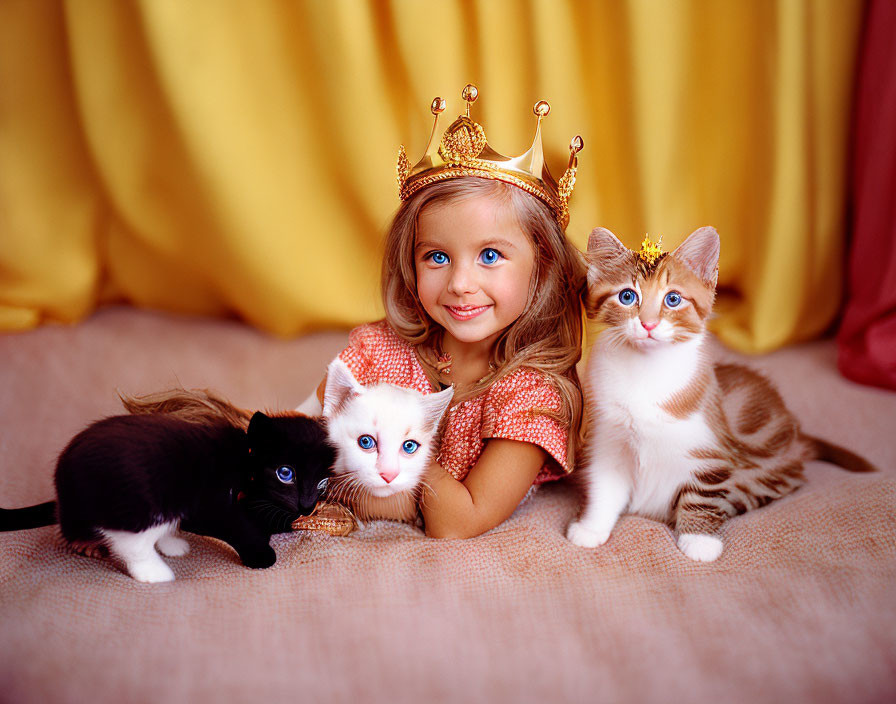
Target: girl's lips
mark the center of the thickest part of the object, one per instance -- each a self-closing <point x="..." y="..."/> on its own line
<point x="466" y="312"/>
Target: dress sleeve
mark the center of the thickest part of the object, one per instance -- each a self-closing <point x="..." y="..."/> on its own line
<point x="517" y="409"/>
<point x="377" y="355"/>
<point x="361" y="355"/>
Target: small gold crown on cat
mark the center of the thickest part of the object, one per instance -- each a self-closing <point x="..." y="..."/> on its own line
<point x="651" y="251"/>
<point x="464" y="151"/>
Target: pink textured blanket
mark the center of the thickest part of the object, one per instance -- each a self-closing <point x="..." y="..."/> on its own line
<point x="800" y="607"/>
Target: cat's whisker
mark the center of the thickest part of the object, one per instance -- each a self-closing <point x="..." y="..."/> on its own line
<point x="422" y="488"/>
<point x="356" y="489"/>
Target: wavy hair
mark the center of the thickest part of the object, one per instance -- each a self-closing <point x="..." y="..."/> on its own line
<point x="196" y="405"/>
<point x="547" y="337"/>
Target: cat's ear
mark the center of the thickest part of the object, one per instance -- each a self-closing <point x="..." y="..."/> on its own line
<point x="341" y="386"/>
<point x="700" y="253"/>
<point x="604" y="243"/>
<point x="434" y="407"/>
<point x="605" y="253"/>
<point x="260" y="426"/>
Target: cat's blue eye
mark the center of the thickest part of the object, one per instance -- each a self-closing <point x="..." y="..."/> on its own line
<point x="286" y="474"/>
<point x="672" y="299"/>
<point x="490" y="256"/>
<point x="366" y="442"/>
<point x="322" y="484"/>
<point x="438" y="257"/>
<point x="628" y="297"/>
<point x="410" y="446"/>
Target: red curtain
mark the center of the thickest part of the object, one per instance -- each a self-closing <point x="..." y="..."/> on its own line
<point x="867" y="336"/>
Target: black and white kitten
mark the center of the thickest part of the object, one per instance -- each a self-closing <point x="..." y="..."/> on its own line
<point x="129" y="481"/>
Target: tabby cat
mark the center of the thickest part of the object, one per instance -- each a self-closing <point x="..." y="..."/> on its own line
<point x="673" y="436"/>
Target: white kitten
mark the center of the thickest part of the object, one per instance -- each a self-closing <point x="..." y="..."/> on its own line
<point x="384" y="435"/>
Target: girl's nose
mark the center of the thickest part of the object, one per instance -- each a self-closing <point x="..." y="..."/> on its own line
<point x="463" y="280"/>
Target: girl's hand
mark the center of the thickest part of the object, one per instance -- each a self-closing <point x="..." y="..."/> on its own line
<point x="489" y="494"/>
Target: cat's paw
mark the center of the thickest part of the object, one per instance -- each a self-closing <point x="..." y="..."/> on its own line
<point x="259" y="558"/>
<point x="172" y="546"/>
<point x="579" y="534"/>
<point x="151" y="571"/>
<point x="700" y="547"/>
<point x="90" y="549"/>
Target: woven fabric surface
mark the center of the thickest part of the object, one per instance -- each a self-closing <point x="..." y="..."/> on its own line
<point x="801" y="605"/>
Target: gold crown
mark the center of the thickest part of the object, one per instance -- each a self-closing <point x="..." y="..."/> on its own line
<point x="464" y="151"/>
<point x="651" y="251"/>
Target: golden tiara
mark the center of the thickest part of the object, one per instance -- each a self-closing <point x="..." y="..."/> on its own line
<point x="651" y="251"/>
<point x="464" y="151"/>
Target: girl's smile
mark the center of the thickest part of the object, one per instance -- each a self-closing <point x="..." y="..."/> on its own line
<point x="474" y="267"/>
<point x="466" y="312"/>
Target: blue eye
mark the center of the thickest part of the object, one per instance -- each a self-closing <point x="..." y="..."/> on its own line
<point x="286" y="474"/>
<point x="672" y="299"/>
<point x="438" y="257"/>
<point x="366" y="442"/>
<point x="627" y="297"/>
<point x="490" y="256"/>
<point x="410" y="446"/>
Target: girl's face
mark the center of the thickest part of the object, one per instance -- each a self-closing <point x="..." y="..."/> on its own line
<point x="474" y="265"/>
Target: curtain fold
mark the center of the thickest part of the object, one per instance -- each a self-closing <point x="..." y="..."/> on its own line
<point x="867" y="335"/>
<point x="237" y="158"/>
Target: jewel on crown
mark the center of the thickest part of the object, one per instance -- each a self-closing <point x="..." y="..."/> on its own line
<point x="651" y="251"/>
<point x="463" y="150"/>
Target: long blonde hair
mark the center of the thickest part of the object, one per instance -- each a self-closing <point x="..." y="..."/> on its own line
<point x="547" y="336"/>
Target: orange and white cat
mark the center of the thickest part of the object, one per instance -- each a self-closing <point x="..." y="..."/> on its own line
<point x="671" y="435"/>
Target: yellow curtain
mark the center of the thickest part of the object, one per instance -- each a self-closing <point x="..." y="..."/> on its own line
<point x="237" y="156"/>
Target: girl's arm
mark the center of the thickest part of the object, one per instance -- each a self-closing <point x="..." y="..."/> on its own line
<point x="489" y="494"/>
<point x="314" y="404"/>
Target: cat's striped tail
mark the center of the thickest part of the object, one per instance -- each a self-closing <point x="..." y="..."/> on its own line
<point x="29" y="517"/>
<point x="828" y="452"/>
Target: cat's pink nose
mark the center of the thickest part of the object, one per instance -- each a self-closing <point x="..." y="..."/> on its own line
<point x="388" y="475"/>
<point x="649" y="326"/>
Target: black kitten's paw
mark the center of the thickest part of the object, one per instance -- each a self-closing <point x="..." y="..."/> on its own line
<point x="259" y="558"/>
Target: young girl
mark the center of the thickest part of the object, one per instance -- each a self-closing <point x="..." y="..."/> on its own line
<point x="482" y="291"/>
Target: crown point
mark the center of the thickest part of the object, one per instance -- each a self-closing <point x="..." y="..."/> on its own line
<point x="463" y="150"/>
<point x="651" y="251"/>
<point x="577" y="144"/>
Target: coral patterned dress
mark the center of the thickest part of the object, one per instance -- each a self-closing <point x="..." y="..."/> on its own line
<point x="508" y="409"/>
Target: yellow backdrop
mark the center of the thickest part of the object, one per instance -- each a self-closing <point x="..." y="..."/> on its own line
<point x="237" y="156"/>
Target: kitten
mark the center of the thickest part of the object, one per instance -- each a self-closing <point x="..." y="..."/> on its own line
<point x="673" y="436"/>
<point x="385" y="437"/>
<point x="128" y="481"/>
<point x="269" y="500"/>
